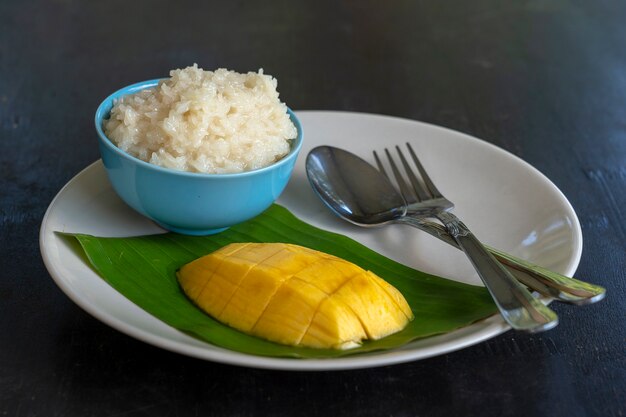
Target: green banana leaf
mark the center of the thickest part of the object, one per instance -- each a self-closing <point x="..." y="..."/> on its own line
<point x="143" y="270"/>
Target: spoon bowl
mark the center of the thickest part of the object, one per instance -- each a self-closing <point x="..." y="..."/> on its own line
<point x="352" y="188"/>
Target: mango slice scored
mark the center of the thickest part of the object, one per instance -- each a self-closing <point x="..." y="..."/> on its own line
<point x="293" y="295"/>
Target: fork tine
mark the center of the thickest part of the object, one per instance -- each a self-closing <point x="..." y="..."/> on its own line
<point x="429" y="184"/>
<point x="422" y="193"/>
<point x="405" y="190"/>
<point x="380" y="166"/>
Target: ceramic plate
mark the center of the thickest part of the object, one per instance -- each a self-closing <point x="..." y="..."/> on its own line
<point x="505" y="201"/>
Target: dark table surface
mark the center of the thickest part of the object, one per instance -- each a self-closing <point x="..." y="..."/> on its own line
<point x="543" y="80"/>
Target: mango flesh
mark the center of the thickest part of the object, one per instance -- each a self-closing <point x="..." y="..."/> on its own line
<point x="293" y="295"/>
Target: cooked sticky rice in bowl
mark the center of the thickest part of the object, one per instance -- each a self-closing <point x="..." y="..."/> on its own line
<point x="204" y="121"/>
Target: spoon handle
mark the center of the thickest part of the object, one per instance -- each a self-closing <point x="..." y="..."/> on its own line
<point x="545" y="282"/>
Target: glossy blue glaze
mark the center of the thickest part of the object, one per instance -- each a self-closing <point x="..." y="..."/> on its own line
<point x="186" y="202"/>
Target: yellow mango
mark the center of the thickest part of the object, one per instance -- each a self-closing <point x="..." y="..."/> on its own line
<point x="334" y="325"/>
<point x="294" y="295"/>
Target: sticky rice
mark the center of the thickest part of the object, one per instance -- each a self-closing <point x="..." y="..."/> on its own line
<point x="204" y="121"/>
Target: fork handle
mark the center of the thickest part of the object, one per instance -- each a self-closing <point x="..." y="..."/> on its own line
<point x="517" y="306"/>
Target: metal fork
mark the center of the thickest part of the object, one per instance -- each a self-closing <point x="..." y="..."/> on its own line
<point x="517" y="306"/>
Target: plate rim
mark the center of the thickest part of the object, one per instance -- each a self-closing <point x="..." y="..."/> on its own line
<point x="481" y="331"/>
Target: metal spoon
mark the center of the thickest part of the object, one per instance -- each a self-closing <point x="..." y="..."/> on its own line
<point x="357" y="192"/>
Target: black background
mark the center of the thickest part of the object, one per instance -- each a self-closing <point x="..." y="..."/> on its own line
<point x="543" y="80"/>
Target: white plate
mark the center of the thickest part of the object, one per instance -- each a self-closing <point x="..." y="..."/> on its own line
<point x="506" y="202"/>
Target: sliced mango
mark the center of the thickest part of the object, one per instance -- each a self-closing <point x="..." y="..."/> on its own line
<point x="294" y="295"/>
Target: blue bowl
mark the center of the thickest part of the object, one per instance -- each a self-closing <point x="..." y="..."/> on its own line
<point x="188" y="202"/>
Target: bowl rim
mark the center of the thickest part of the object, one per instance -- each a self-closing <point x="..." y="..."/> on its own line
<point x="142" y="85"/>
